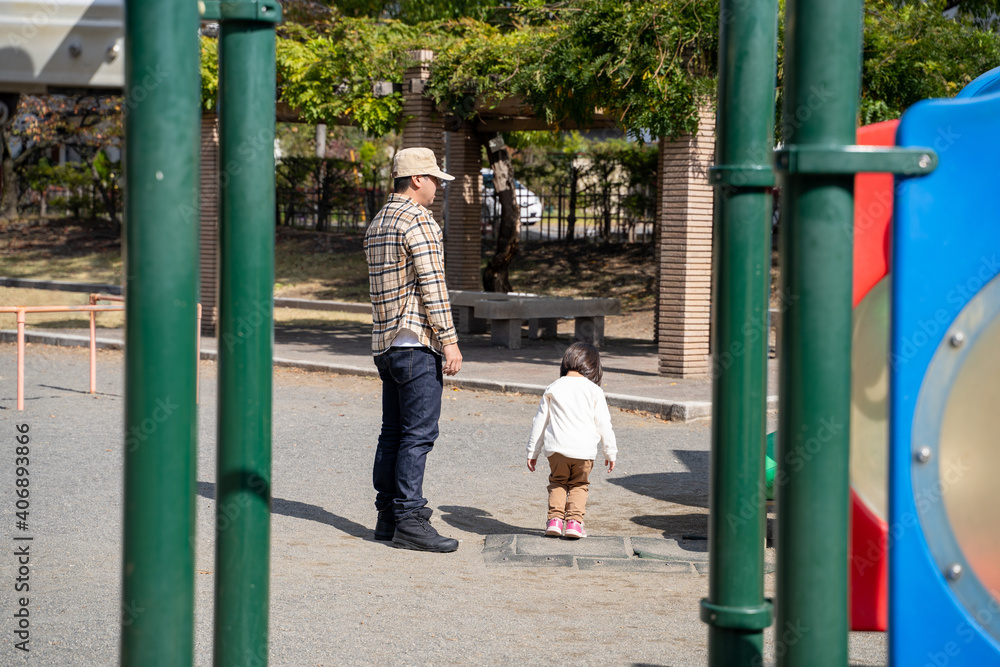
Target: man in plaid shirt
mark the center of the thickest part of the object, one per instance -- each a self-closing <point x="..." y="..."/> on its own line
<point x="415" y="345"/>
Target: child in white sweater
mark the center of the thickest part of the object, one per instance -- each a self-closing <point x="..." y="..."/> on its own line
<point x="572" y="419"/>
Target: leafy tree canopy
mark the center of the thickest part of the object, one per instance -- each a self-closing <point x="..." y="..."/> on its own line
<point x="644" y="63"/>
<point x="564" y="61"/>
<point x="912" y="51"/>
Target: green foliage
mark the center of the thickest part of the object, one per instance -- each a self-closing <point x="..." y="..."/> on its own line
<point x="565" y="61"/>
<point x="209" y="73"/>
<point x="913" y="52"/>
<point x="646" y="63"/>
<point x="419" y="11"/>
<point x="330" y="74"/>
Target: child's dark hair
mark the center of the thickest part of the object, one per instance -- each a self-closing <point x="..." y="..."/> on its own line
<point x="585" y="360"/>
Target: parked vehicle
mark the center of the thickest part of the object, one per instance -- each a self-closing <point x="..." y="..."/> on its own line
<point x="528" y="201"/>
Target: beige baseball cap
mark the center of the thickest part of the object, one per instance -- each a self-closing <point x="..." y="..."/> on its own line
<point x="417" y="162"/>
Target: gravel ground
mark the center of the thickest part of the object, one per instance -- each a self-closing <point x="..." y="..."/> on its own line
<point x="338" y="597"/>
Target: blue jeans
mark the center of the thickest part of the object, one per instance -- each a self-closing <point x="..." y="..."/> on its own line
<point x="412" y="384"/>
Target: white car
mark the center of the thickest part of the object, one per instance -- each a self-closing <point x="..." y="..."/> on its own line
<point x="528" y="201"/>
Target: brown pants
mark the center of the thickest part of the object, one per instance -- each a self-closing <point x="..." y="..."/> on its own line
<point x="569" y="483"/>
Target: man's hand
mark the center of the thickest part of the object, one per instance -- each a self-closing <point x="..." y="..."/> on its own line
<point x="452" y="359"/>
<point x="531" y="464"/>
<point x="609" y="464"/>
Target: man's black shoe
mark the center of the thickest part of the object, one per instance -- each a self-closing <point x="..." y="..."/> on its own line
<point x="415" y="532"/>
<point x="385" y="526"/>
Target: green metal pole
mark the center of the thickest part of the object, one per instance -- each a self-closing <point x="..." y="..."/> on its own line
<point x="246" y="283"/>
<point x="161" y="288"/>
<point x="822" y="87"/>
<point x="735" y="610"/>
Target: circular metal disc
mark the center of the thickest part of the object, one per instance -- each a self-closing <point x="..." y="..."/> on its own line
<point x="956" y="456"/>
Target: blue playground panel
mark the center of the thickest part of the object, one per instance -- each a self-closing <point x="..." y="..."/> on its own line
<point x="945" y="255"/>
<point x="984" y="84"/>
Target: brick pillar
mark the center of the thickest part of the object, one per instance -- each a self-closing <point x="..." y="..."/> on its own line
<point x="426" y="126"/>
<point x="209" y="217"/>
<point x="684" y="251"/>
<point x="463" y="247"/>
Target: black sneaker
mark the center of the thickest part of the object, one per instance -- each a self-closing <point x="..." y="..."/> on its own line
<point x="385" y="526"/>
<point x="415" y="532"/>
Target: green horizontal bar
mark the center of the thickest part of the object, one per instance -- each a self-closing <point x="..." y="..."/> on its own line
<point x="738" y="618"/>
<point x="241" y="10"/>
<point x="742" y="175"/>
<point x="855" y="160"/>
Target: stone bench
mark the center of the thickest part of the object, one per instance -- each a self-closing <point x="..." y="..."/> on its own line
<point x="463" y="303"/>
<point x="507" y="312"/>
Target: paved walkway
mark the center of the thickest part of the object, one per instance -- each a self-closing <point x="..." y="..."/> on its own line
<point x="631" y="378"/>
<point x="627" y="595"/>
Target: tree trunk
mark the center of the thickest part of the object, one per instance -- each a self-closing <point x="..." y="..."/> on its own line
<point x="106" y="197"/>
<point x="606" y="202"/>
<point x="8" y="182"/>
<point x="571" y="218"/>
<point x="323" y="199"/>
<point x="496" y="275"/>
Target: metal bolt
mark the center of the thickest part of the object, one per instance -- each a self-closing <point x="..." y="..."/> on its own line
<point x="113" y="52"/>
<point x="75" y="49"/>
<point x="953" y="572"/>
<point x="924" y="454"/>
<point x="714" y="617"/>
<point x="924" y="161"/>
<point x="957" y="339"/>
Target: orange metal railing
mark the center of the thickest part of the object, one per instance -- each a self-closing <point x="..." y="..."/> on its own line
<point x="93" y="309"/>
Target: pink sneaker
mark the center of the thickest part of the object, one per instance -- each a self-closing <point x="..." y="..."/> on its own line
<point x="554" y="528"/>
<point x="574" y="529"/>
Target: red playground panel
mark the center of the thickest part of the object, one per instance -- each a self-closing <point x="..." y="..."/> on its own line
<point x="869" y="531"/>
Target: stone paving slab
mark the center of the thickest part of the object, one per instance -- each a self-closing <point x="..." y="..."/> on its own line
<point x="637" y="565"/>
<point x="634" y="554"/>
<point x="671" y="550"/>
<point x="597" y="547"/>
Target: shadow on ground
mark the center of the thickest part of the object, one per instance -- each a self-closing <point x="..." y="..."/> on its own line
<point x="676" y="526"/>
<point x="300" y="510"/>
<point x="481" y="522"/>
<point x="688" y="488"/>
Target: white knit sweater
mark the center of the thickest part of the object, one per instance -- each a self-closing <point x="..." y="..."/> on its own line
<point x="572" y="418"/>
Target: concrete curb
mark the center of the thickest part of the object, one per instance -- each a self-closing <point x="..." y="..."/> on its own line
<point x="61" y="340"/>
<point x="62" y="286"/>
<point x="314" y="304"/>
<point x="679" y="411"/>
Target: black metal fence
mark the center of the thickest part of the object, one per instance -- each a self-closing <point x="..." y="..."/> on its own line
<point x="326" y="194"/>
<point x="614" y="213"/>
<point x="339" y="195"/>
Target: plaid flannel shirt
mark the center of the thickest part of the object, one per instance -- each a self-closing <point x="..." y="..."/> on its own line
<point x="403" y="247"/>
